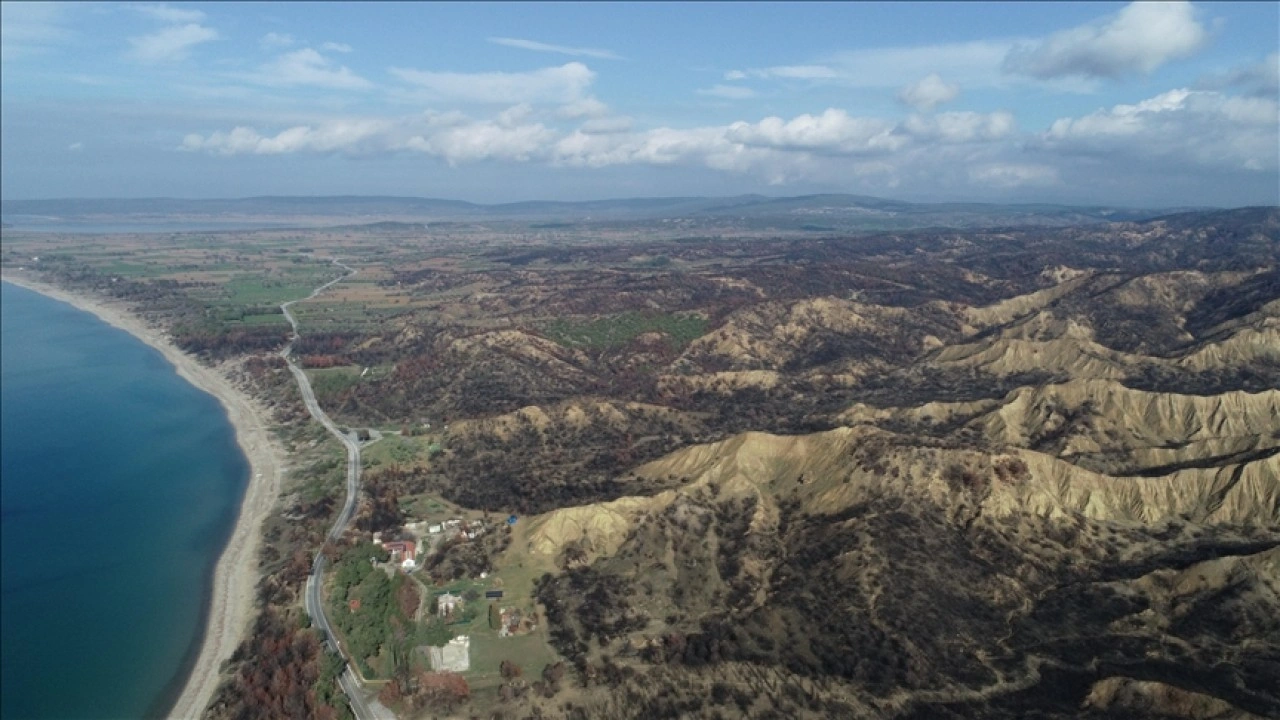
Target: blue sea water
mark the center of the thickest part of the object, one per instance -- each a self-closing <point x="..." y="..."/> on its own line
<point x="119" y="486"/>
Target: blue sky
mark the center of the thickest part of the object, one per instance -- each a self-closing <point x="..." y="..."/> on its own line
<point x="1149" y="104"/>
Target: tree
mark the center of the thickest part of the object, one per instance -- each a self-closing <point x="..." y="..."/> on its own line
<point x="509" y="670"/>
<point x="444" y="689"/>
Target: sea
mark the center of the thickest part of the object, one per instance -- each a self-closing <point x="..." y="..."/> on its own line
<point x="119" y="486"/>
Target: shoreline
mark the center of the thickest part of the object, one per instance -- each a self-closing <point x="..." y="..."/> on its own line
<point x="231" y="603"/>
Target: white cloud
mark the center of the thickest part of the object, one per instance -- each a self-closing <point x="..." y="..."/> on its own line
<point x="562" y="85"/>
<point x="1179" y="127"/>
<point x="560" y="49"/>
<point x="786" y="72"/>
<point x="164" y="13"/>
<point x="351" y="136"/>
<point x="928" y="93"/>
<point x="1259" y="79"/>
<point x="728" y="92"/>
<point x="451" y="136"/>
<point x="1140" y="38"/>
<point x="962" y="127"/>
<point x="587" y="107"/>
<point x="308" y="68"/>
<point x="75" y="147"/>
<point x="29" y="28"/>
<point x="832" y="131"/>
<point x="606" y="125"/>
<point x="475" y="141"/>
<point x="336" y="47"/>
<point x="514" y="115"/>
<point x="1154" y="143"/>
<point x="778" y="149"/>
<point x="275" y="41"/>
<point x="171" y="43"/>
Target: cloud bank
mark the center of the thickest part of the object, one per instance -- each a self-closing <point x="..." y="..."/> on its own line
<point x="1140" y="38"/>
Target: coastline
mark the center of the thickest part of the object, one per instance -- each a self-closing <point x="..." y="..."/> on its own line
<point x="231" y="605"/>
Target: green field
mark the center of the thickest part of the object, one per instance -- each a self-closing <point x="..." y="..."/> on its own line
<point x="253" y="289"/>
<point x="426" y="507"/>
<point x="531" y="652"/>
<point x="621" y="329"/>
<point x="399" y="450"/>
<point x="327" y="382"/>
<point x="264" y="319"/>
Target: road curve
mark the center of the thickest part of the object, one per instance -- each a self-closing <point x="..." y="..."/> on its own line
<point x="312" y="601"/>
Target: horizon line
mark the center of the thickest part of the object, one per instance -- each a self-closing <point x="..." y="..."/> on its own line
<point x="760" y="196"/>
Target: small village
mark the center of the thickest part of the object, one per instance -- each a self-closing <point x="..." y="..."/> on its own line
<point x="457" y="604"/>
<point x="426" y="537"/>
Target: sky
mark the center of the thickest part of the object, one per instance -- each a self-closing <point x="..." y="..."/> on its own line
<point x="1142" y="104"/>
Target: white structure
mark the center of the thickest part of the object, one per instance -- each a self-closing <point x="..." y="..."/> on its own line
<point x="447" y="603"/>
<point x="435" y="529"/>
<point x="454" y="656"/>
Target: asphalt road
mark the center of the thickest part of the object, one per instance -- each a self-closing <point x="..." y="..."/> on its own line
<point x="363" y="708"/>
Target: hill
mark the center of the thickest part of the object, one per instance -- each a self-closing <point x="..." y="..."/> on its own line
<point x="817" y="213"/>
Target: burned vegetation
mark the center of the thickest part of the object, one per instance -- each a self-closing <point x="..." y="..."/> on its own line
<point x="1010" y="472"/>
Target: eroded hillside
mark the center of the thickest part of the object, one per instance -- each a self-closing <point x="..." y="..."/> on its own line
<point x="1000" y="474"/>
<point x="1062" y="502"/>
<point x="1010" y="472"/>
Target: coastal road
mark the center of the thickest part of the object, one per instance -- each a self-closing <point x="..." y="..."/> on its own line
<point x="361" y="706"/>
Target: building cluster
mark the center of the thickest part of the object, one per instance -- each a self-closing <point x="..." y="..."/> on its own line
<point x="513" y="621"/>
<point x="425" y="536"/>
<point x="404" y="553"/>
<point x="448" y="530"/>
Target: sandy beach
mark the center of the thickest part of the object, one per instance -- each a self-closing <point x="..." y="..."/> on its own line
<point x="231" y="607"/>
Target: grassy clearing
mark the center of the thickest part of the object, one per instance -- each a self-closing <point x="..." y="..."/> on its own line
<point x="329" y="382"/>
<point x="621" y="329"/>
<point x="426" y="506"/>
<point x="398" y="450"/>
<point x="531" y="652"/>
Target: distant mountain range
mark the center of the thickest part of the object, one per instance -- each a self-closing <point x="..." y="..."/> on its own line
<point x="810" y="212"/>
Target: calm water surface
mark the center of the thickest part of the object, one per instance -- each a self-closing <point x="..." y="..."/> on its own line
<point x="119" y="485"/>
